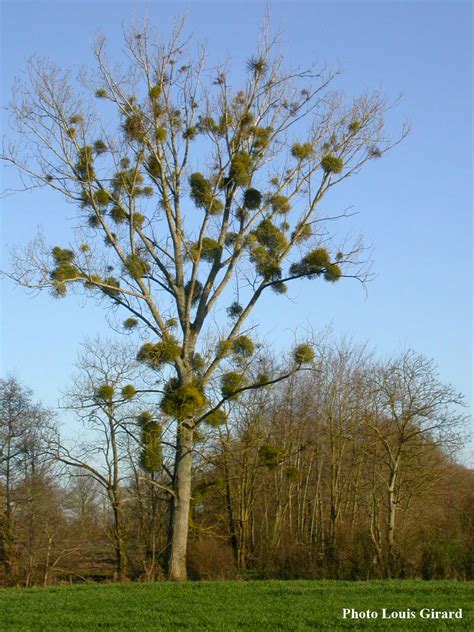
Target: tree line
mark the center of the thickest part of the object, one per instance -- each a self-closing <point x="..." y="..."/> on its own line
<point x="346" y="469"/>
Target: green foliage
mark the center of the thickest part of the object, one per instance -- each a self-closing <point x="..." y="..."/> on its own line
<point x="269" y="236"/>
<point x="303" y="354"/>
<point x="354" y="126"/>
<point x="314" y="263"/>
<point x="128" y="391"/>
<point x="262" y="137"/>
<point x="182" y="401"/>
<point x="118" y="215"/>
<point x="302" y="151"/>
<point x="137" y="220"/>
<point x="128" y="181"/>
<point x="190" y="133"/>
<point x="234" y="310"/>
<point x="196" y="289"/>
<point x="302" y="233"/>
<point x="154" y="92"/>
<point x="262" y="378"/>
<point x="216" y="418"/>
<point x="279" y="287"/>
<point x="333" y="273"/>
<point x="240" y="168"/>
<point x="243" y="346"/>
<point x="134" y="127"/>
<point x="101" y="93"/>
<point x="151" y="456"/>
<point x="85" y="164"/>
<point x="265" y="263"/>
<point x="104" y="393"/>
<point x="171" y="323"/>
<point x="252" y="199"/>
<point x="292" y="473"/>
<point x="102" y="197"/>
<point x="198" y="362"/>
<point x="144" y="418"/>
<point x="232" y="382"/>
<point x="210" y="249"/>
<point x="269" y="455"/>
<point x="153" y="166"/>
<point x="224" y="348"/>
<point x="160" y="134"/>
<point x="136" y="266"/>
<point x="64" y="269"/>
<point x="130" y="323"/>
<point x="163" y="352"/>
<point x="114" y="286"/>
<point x="58" y="289"/>
<point x="93" y="221"/>
<point x="100" y="147"/>
<point x="202" y="195"/>
<point x="332" y="164"/>
<point x="280" y="204"/>
<point x="75" y="119"/>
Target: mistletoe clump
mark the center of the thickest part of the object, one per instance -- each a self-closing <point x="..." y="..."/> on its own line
<point x="202" y="194"/>
<point x="151" y="456"/>
<point x="130" y="323"/>
<point x="210" y="249"/>
<point x="104" y="393"/>
<point x="243" y="346"/>
<point x="302" y="151"/>
<point x="182" y="401"/>
<point x="129" y="391"/>
<point x="134" y="127"/>
<point x="234" y="310"/>
<point x="312" y="264"/>
<point x="301" y="233"/>
<point x="354" y="126"/>
<point x="240" y="169"/>
<point x="272" y="244"/>
<point x="332" y="164"/>
<point x="100" y="147"/>
<point x="64" y="269"/>
<point x="111" y="286"/>
<point x="280" y="204"/>
<point x="163" y="352"/>
<point x="261" y="140"/>
<point x="118" y="215"/>
<point x="216" y="418"/>
<point x="252" y="199"/>
<point x="102" y="197"/>
<point x="303" y="353"/>
<point x="269" y="455"/>
<point x="195" y="288"/>
<point x="232" y="382"/>
<point x="85" y="164"/>
<point x="136" y="266"/>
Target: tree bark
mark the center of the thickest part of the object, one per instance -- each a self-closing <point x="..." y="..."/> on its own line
<point x="180" y="504"/>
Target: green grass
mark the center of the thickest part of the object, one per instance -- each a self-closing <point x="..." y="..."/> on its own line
<point x="229" y="606"/>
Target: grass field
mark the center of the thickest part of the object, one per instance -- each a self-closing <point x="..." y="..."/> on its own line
<point x="228" y="606"/>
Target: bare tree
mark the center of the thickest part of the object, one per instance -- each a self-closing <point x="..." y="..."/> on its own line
<point x="410" y="413"/>
<point x="104" y="396"/>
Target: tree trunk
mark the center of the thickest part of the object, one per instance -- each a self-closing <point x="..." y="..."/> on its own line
<point x="180" y="504"/>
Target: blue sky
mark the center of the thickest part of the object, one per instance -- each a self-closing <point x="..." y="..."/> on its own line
<point x="414" y="206"/>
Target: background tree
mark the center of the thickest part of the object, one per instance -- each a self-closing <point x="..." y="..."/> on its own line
<point x="192" y="195"/>
<point x="25" y="477"/>
<point x="105" y="399"/>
